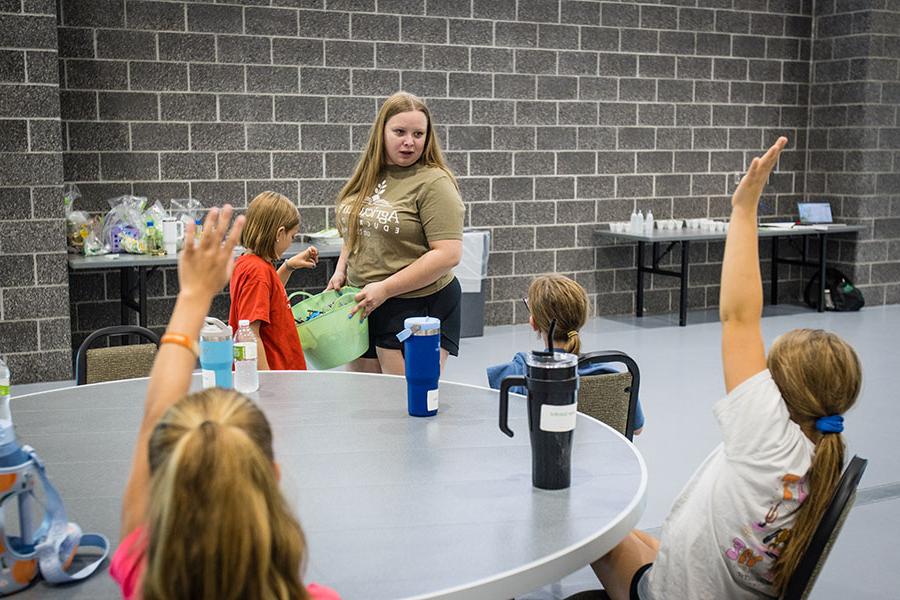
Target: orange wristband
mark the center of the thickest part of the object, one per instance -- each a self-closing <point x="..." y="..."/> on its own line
<point x="181" y="340"/>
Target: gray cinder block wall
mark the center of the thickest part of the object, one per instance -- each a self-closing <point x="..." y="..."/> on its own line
<point x="34" y="290"/>
<point x="557" y="115"/>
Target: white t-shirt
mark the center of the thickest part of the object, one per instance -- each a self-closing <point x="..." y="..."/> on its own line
<point x="728" y="524"/>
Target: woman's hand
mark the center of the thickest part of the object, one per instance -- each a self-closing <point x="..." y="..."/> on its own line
<point x="369" y="298"/>
<point x="307" y="259"/>
<point x="337" y="281"/>
<point x="204" y="269"/>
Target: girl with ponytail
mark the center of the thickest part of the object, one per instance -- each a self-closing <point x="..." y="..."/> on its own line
<point x="747" y="515"/>
<point x="556" y="297"/>
<point x="203" y="517"/>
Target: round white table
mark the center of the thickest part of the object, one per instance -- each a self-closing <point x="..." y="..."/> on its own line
<point x="393" y="506"/>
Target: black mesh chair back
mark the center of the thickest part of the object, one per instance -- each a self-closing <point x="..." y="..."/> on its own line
<point x="804" y="577"/>
<point x="95" y="365"/>
<point x="611" y="397"/>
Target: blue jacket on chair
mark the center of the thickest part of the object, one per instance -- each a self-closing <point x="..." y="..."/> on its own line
<point x="516" y="366"/>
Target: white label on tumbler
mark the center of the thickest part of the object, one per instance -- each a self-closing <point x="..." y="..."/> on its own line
<point x="558" y="418"/>
<point x="209" y="378"/>
<point x="432" y="400"/>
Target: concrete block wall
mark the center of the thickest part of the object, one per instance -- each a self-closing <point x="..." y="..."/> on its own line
<point x="854" y="158"/>
<point x="556" y="116"/>
<point x="34" y="292"/>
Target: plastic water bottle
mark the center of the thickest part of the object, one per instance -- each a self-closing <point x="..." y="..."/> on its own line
<point x="153" y="240"/>
<point x="246" y="375"/>
<point x="648" y="222"/>
<point x="7" y="434"/>
<point x="639" y="222"/>
<point x="632" y="225"/>
<point x="11" y="455"/>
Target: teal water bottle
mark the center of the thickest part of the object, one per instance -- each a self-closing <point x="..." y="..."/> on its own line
<point x="422" y="352"/>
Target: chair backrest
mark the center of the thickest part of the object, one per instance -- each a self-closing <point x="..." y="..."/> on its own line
<point x="94" y="365"/>
<point x="804" y="576"/>
<point x="611" y="397"/>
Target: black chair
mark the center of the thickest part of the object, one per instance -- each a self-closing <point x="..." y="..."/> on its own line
<point x="611" y="397"/>
<point x="804" y="577"/>
<point x="95" y="365"/>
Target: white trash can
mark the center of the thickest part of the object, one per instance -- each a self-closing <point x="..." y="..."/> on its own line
<point x="471" y="273"/>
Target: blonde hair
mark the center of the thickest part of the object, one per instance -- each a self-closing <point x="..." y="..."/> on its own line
<point x="558" y="297"/>
<point x="372" y="161"/>
<point x="819" y="375"/>
<point x="268" y="212"/>
<point x="218" y="525"/>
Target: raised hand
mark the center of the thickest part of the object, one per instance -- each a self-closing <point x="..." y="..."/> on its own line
<point x="205" y="268"/>
<point x="749" y="190"/>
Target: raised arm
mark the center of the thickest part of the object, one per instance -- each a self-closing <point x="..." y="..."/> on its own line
<point x="202" y="272"/>
<point x="740" y="296"/>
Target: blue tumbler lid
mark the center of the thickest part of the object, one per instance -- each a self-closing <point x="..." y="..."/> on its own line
<point x="419" y="326"/>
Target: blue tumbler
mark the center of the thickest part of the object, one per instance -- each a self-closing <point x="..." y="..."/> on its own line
<point x="422" y="350"/>
<point x="216" y="354"/>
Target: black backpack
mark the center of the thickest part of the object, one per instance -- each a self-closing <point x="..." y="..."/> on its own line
<point x="840" y="293"/>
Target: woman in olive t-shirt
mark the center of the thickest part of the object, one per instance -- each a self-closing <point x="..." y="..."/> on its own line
<point x="401" y="217"/>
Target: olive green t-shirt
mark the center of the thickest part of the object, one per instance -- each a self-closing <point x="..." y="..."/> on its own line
<point x="411" y="206"/>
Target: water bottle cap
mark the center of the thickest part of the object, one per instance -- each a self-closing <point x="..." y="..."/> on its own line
<point x="420" y="326"/>
<point x="244" y="323"/>
<point x="214" y="329"/>
<point x="149" y="223"/>
<point x="557" y="360"/>
<point x="424" y="323"/>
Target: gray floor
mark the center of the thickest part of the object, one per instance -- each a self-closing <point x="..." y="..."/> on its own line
<point x="681" y="379"/>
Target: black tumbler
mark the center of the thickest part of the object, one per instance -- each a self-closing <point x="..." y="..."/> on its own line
<point x="551" y="379"/>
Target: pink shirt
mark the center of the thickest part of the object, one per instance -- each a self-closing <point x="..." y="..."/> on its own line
<point x="129" y="561"/>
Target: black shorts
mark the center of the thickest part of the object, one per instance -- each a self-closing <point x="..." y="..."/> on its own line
<point x="387" y="320"/>
<point x="637" y="579"/>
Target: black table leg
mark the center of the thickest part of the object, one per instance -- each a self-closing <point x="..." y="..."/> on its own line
<point x="774" y="290"/>
<point x="682" y="314"/>
<point x="823" y="238"/>
<point x="142" y="296"/>
<point x="639" y="295"/>
<point x="123" y="294"/>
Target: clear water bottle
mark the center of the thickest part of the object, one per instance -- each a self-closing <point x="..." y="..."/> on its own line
<point x="246" y="375"/>
<point x="7" y="434"/>
<point x="648" y="222"/>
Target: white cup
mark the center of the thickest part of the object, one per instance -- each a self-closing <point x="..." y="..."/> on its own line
<point x="173" y="230"/>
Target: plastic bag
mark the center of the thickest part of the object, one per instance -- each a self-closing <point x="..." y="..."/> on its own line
<point x="124" y="219"/>
<point x="93" y="245"/>
<point x="76" y="220"/>
<point x="188" y="211"/>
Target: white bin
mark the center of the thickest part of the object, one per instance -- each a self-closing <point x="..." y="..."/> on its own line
<point x="471" y="273"/>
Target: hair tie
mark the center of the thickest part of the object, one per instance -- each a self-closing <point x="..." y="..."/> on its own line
<point x="830" y="424"/>
<point x="572" y="334"/>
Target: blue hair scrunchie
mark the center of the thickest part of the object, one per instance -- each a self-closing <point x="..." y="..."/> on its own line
<point x="830" y="424"/>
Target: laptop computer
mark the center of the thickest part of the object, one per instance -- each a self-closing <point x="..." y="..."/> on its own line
<point x="814" y="213"/>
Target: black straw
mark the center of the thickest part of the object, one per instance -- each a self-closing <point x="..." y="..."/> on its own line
<point x="550" y="335"/>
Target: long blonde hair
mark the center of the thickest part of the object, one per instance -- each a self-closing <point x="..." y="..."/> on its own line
<point x="218" y="525"/>
<point x="268" y="212"/>
<point x="372" y="161"/>
<point x="558" y="297"/>
<point x="819" y="375"/>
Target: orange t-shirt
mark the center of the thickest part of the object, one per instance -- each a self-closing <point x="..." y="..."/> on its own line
<point x="257" y="294"/>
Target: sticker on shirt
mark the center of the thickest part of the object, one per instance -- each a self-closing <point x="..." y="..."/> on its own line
<point x="558" y="418"/>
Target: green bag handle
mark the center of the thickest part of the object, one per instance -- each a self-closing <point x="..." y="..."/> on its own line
<point x="299" y="293"/>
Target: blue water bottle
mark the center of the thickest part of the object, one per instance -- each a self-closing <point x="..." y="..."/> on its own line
<point x="216" y="354"/>
<point x="422" y="350"/>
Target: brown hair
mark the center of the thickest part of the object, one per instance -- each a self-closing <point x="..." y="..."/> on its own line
<point x="266" y="214"/>
<point x="218" y="525"/>
<point x="558" y="297"/>
<point x="372" y="161"/>
<point x="819" y="375"/>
